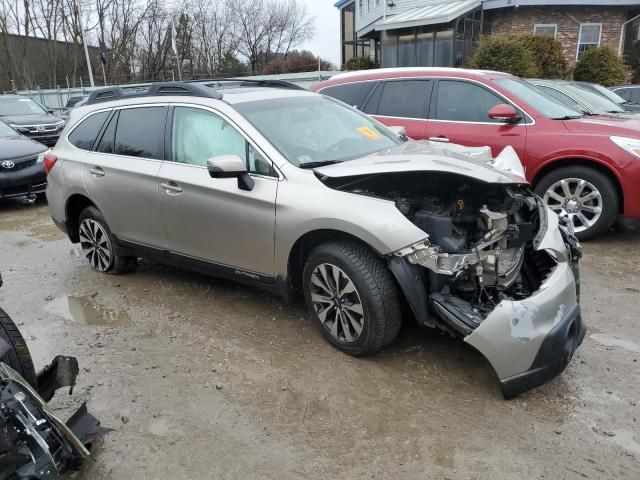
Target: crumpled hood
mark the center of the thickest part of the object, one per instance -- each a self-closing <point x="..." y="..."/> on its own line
<point x="425" y="156"/>
<point x="618" y="125"/>
<point x="18" y="147"/>
<point x="31" y="119"/>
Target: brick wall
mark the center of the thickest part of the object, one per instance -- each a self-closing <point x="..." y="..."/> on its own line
<point x="520" y="20"/>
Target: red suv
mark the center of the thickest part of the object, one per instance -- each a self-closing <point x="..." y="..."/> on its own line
<point x="584" y="167"/>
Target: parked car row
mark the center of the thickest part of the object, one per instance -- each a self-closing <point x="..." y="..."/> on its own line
<point x="269" y="184"/>
<point x="586" y="167"/>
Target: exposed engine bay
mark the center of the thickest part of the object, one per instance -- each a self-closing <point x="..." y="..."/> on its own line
<point x="480" y="246"/>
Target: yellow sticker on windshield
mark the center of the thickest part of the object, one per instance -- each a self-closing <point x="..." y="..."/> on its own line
<point x="368" y="133"/>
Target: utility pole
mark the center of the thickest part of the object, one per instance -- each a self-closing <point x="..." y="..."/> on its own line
<point x="84" y="42"/>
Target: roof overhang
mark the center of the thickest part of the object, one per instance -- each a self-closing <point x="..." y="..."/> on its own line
<point x="434" y="13"/>
<point x="342" y="3"/>
<point x="493" y="4"/>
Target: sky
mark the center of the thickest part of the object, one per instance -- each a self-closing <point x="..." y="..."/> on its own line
<point x="326" y="37"/>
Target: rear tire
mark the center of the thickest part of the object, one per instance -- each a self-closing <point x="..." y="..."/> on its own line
<point x="359" y="313"/>
<point x="18" y="357"/>
<point x="98" y="245"/>
<point x="587" y="195"/>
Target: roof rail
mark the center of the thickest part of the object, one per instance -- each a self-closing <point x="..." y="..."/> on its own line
<point x="247" y="82"/>
<point x="154" y="90"/>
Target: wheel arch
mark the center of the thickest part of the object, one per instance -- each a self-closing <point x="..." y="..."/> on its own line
<point x="75" y="204"/>
<point x="303" y="246"/>
<point x="583" y="162"/>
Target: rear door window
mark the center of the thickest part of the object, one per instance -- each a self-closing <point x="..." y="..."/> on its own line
<point x="464" y="102"/>
<point x="353" y="94"/>
<point x="140" y="132"/>
<point x="105" y="145"/>
<point x="403" y="98"/>
<point x="84" y="135"/>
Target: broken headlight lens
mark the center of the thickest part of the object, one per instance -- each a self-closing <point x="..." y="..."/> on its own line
<point x="631" y="145"/>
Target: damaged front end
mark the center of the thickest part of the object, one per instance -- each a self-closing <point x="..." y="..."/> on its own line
<point x="495" y="267"/>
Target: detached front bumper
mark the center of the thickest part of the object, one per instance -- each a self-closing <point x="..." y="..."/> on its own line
<point x="529" y="342"/>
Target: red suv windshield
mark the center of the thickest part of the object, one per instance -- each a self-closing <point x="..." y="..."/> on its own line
<point x="529" y="94"/>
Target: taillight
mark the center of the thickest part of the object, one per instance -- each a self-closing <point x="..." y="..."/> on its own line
<point x="49" y="161"/>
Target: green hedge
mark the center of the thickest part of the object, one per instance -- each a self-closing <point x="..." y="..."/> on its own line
<point x="600" y="65"/>
<point x="548" y="55"/>
<point x="505" y="54"/>
<point x="359" y="63"/>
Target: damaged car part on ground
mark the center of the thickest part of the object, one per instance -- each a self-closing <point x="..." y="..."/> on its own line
<point x="328" y="203"/>
<point x="34" y="443"/>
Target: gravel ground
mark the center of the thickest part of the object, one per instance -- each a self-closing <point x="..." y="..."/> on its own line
<point x="202" y="378"/>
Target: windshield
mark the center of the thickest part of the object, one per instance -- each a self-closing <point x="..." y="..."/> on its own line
<point x="19" y="106"/>
<point x="7" y="131"/>
<point x="313" y="130"/>
<point x="529" y="94"/>
<point x="595" y="102"/>
<point x="604" y="91"/>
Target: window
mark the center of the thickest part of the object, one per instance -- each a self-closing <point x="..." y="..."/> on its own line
<point x="631" y="95"/>
<point x="561" y="97"/>
<point x="545" y="29"/>
<point x="464" y="102"/>
<point x="589" y="37"/>
<point x="140" y="132"/>
<point x="360" y="7"/>
<point x="198" y="135"/>
<point x="405" y="98"/>
<point x="312" y="130"/>
<point x="368" y="5"/>
<point x="353" y="94"/>
<point x="407" y="50"/>
<point x="108" y="137"/>
<point x="15" y="105"/>
<point x="531" y="96"/>
<point x="84" y="135"/>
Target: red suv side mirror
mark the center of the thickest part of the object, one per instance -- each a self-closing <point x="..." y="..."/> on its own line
<point x="505" y="113"/>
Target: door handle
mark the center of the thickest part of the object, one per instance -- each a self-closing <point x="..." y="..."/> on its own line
<point x="171" y="187"/>
<point x="96" y="172"/>
<point x="439" y="139"/>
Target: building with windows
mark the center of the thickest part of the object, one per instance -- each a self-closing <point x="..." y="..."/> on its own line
<point x="443" y="33"/>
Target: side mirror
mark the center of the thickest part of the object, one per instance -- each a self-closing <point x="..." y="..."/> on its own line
<point x="505" y="113"/>
<point x="399" y="131"/>
<point x="230" y="166"/>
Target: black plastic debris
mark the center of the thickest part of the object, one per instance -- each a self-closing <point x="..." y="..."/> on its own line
<point x="34" y="443"/>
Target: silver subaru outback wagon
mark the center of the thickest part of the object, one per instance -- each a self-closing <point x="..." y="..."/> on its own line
<point x="295" y="192"/>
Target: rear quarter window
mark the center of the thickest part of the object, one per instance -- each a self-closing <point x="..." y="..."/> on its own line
<point x="353" y="94"/>
<point x="85" y="133"/>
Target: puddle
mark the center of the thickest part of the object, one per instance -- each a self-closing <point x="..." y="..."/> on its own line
<point x="160" y="428"/>
<point x="611" y="341"/>
<point x="625" y="439"/>
<point x="85" y="311"/>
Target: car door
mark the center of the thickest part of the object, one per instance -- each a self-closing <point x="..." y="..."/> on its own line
<point x="459" y="114"/>
<point x="402" y="102"/>
<point x="121" y="174"/>
<point x="211" y="219"/>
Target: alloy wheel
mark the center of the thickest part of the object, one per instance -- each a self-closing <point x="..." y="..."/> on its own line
<point x="337" y="303"/>
<point x="578" y="199"/>
<point x="95" y="244"/>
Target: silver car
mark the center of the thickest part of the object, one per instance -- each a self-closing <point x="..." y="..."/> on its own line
<point x="299" y="193"/>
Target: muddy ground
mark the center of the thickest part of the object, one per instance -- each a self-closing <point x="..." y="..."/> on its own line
<point x="202" y="378"/>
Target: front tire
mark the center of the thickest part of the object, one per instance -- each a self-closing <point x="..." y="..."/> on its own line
<point x="352" y="296"/>
<point x="98" y="246"/>
<point x="587" y="196"/>
<point x="18" y="357"/>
